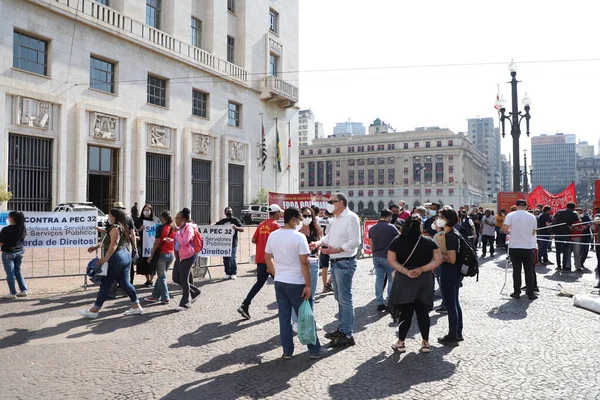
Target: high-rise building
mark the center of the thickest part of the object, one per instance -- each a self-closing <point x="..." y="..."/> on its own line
<point x="414" y="166"/>
<point x="349" y="129"/>
<point x="588" y="171"/>
<point x="486" y="139"/>
<point x="584" y="150"/>
<point x="378" y="126"/>
<point x="146" y="101"/>
<point x="554" y="161"/>
<point x="319" y="131"/>
<point x="506" y="173"/>
<point x="306" y="127"/>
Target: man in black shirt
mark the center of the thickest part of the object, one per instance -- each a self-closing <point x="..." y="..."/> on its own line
<point x="564" y="220"/>
<point x="543" y="234"/>
<point x="380" y="237"/>
<point x="230" y="263"/>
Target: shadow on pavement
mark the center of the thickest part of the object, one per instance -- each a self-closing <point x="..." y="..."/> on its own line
<point x="216" y="331"/>
<point x="511" y="310"/>
<point x="249" y="355"/>
<point x="257" y="382"/>
<point x="46" y="304"/>
<point x="562" y="277"/>
<point x="363" y="316"/>
<point x="397" y="373"/>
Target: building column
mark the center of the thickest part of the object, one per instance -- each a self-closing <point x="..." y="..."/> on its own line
<point x="225" y="177"/>
<point x="186" y="163"/>
<point x="140" y="154"/>
<point x="127" y="169"/>
<point x="3" y="145"/>
<point x="81" y="153"/>
<point x="217" y="175"/>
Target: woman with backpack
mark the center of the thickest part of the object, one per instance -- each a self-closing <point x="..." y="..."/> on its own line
<point x="163" y="254"/>
<point x="185" y="256"/>
<point x="414" y="257"/>
<point x="12" y="237"/>
<point x="114" y="245"/>
<point x="451" y="277"/>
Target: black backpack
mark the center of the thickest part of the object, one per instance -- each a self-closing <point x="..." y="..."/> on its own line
<point x="466" y="257"/>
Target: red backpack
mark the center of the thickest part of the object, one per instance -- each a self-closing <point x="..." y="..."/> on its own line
<point x="197" y="241"/>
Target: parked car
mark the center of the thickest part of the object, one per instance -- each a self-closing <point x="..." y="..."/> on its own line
<point x="254" y="213"/>
<point x="83" y="206"/>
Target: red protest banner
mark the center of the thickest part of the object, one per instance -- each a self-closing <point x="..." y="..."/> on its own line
<point x="559" y="201"/>
<point x="298" y="200"/>
<point x="508" y="199"/>
<point x="366" y="226"/>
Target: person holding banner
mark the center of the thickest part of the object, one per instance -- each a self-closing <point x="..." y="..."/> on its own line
<point x="144" y="267"/>
<point x="114" y="245"/>
<point x="230" y="263"/>
<point x="162" y="256"/>
<point x="185" y="256"/>
<point x="11" y="242"/>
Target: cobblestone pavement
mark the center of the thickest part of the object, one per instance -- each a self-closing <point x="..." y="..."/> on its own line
<point x="513" y="349"/>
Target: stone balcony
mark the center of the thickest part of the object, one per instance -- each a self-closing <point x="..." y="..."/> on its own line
<point x="275" y="89"/>
<point x="110" y="20"/>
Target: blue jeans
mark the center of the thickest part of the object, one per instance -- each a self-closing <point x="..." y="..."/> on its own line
<point x="289" y="297"/>
<point x="543" y="246"/>
<point x="119" y="265"/>
<point x="342" y="273"/>
<point x="381" y="269"/>
<point x="451" y="279"/>
<point x="12" y="267"/>
<point x="314" y="276"/>
<point x="230" y="263"/>
<point x="161" y="290"/>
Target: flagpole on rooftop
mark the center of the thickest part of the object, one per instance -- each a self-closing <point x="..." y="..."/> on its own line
<point x="276" y="154"/>
<point x="289" y="167"/>
<point x="262" y="141"/>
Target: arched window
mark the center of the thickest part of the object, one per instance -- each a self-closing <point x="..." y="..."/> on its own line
<point x="361" y="206"/>
<point x="380" y="206"/>
<point x="351" y="206"/>
<point x="371" y="206"/>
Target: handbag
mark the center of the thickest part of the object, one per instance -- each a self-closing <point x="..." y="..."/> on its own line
<point x="103" y="270"/>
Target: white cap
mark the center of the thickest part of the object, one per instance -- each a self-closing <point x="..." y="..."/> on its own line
<point x="274" y="208"/>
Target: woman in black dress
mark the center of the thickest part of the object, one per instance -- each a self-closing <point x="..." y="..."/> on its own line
<point x="143" y="267"/>
<point x="413" y="256"/>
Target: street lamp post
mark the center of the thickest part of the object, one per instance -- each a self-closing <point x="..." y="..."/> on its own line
<point x="525" y="181"/>
<point x="515" y="118"/>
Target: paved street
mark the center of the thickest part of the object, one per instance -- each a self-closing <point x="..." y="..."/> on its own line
<point x="513" y="349"/>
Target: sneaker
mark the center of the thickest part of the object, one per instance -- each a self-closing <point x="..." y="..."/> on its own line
<point x="286" y="356"/>
<point x="319" y="327"/>
<point x="448" y="341"/>
<point x="548" y="262"/>
<point x="566" y="271"/>
<point x="334" y="334"/>
<point x="558" y="268"/>
<point x="167" y="301"/>
<point x="515" y="295"/>
<point x="343" y="341"/>
<point x="234" y="277"/>
<point x="461" y="339"/>
<point x="227" y="277"/>
<point x="9" y="296"/>
<point x="151" y="299"/>
<point x="22" y="294"/>
<point x="317" y="356"/>
<point x="441" y="310"/>
<point x="381" y="307"/>
<point x="194" y="298"/>
<point x="243" y="310"/>
<point x="532" y="297"/>
<point x="88" y="314"/>
<point x="134" y="311"/>
<point x="181" y="308"/>
<point x="295" y="327"/>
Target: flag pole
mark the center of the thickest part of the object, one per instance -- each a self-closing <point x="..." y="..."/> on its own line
<point x="262" y="132"/>
<point x="276" y="155"/>
<point x="289" y="167"/>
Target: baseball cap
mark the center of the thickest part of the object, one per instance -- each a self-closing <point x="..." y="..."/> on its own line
<point x="521" y="203"/>
<point x="274" y="208"/>
<point x="118" y="204"/>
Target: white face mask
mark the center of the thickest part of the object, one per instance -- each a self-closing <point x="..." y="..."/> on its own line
<point x="307" y="221"/>
<point x="330" y="208"/>
<point x="298" y="227"/>
<point x="440" y="223"/>
<point x="146" y="213"/>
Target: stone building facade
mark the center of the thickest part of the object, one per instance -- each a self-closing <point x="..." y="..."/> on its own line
<point x="156" y="101"/>
<point x="414" y="166"/>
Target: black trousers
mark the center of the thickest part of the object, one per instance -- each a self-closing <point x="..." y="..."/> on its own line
<point x="261" y="278"/>
<point x="485" y="240"/>
<point x="183" y="277"/>
<point x="522" y="259"/>
<point x="406" y="314"/>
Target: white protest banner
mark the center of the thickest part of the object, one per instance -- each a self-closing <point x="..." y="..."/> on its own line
<point x="218" y="240"/>
<point x="58" y="229"/>
<point x="149" y="236"/>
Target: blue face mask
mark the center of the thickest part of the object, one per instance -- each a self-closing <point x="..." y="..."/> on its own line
<point x="432" y="213"/>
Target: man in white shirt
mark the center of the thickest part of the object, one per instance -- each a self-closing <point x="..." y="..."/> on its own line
<point x="341" y="243"/>
<point x="286" y="256"/>
<point x="488" y="231"/>
<point x="522" y="227"/>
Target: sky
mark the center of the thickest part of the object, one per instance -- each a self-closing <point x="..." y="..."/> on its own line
<point x="363" y="42"/>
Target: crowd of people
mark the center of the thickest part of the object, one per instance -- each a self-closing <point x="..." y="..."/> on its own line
<point x="412" y="250"/>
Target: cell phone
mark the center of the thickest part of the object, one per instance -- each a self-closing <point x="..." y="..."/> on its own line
<point x="324" y="247"/>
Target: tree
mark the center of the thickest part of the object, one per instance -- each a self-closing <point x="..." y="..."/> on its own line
<point x="5" y="195"/>
<point x="262" y="197"/>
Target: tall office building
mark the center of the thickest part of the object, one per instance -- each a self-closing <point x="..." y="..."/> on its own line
<point x="486" y="139"/>
<point x="378" y="126"/>
<point x="584" y="150"/>
<point x="349" y="129"/>
<point x="146" y="101"/>
<point x="306" y="127"/>
<point x="506" y="173"/>
<point x="554" y="160"/>
<point x="319" y="131"/>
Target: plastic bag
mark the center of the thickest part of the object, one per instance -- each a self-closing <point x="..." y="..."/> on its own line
<point x="307" y="330"/>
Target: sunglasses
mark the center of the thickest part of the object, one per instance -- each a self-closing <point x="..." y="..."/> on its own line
<point x="333" y="201"/>
<point x="306" y="215"/>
